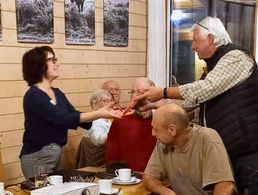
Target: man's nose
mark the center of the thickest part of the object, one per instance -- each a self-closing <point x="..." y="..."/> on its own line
<point x="112" y="91"/>
<point x="153" y="132"/>
<point x="193" y="47"/>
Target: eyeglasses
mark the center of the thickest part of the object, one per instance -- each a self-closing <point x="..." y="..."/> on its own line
<point x="202" y="26"/>
<point x="106" y="100"/>
<point x="53" y="59"/>
<point x="138" y="91"/>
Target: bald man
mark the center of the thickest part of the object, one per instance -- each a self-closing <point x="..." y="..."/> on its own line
<point x="112" y="87"/>
<point x="192" y="158"/>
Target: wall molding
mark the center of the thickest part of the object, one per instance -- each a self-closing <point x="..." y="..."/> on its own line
<point x="157" y="52"/>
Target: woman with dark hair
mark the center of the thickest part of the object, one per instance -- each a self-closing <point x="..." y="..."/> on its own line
<point x="48" y="113"/>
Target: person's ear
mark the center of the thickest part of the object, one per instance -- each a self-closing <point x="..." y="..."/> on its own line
<point x="172" y="129"/>
<point x="211" y="38"/>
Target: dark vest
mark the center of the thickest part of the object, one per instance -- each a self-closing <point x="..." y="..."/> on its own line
<point x="234" y="114"/>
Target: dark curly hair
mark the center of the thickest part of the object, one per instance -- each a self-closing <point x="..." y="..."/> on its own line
<point x="34" y="66"/>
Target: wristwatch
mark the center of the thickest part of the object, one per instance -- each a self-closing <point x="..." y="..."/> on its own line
<point x="165" y="93"/>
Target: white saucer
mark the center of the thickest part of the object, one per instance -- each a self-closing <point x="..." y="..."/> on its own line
<point x="114" y="190"/>
<point x="133" y="180"/>
<point x="124" y="181"/>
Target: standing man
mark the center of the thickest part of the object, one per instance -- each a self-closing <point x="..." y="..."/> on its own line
<point x="113" y="88"/>
<point x="228" y="95"/>
<point x="192" y="158"/>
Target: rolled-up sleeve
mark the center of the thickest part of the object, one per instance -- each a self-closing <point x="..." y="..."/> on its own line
<point x="232" y="69"/>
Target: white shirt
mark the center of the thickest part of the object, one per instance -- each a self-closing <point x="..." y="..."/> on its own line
<point x="98" y="131"/>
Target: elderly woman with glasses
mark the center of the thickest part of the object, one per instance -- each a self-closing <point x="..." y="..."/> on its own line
<point x="92" y="147"/>
<point x="48" y="113"/>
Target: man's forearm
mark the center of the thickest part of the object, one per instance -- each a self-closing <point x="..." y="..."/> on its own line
<point x="154" y="185"/>
<point x="173" y="93"/>
<point x="225" y="188"/>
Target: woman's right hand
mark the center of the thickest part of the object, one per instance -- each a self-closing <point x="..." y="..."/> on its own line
<point x="106" y="112"/>
<point x="109" y="113"/>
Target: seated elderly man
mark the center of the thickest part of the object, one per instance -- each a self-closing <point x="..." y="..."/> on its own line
<point x="112" y="87"/>
<point x="130" y="138"/>
<point x="192" y="158"/>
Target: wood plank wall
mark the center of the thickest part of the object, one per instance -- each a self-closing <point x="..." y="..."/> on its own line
<point x="83" y="70"/>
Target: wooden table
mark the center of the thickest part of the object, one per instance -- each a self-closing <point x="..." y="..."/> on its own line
<point x="16" y="190"/>
<point x="137" y="189"/>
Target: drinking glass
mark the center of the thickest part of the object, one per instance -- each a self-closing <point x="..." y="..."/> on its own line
<point x="40" y="175"/>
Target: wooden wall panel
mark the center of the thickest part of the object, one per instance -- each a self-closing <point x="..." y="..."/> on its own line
<point x="11" y="138"/>
<point x="9" y="5"/>
<point x="12" y="171"/>
<point x="83" y="70"/>
<point x="137" y="41"/>
<point x="138" y="20"/>
<point x="7" y="158"/>
<point x="11" y="122"/>
<point x="2" y="178"/>
<point x="8" y="19"/>
<point x="12" y="89"/>
<point x="59" y="9"/>
<point x="9" y="71"/>
<point x="89" y="84"/>
<point x="138" y="7"/>
<point x="10" y="105"/>
<point x="107" y="57"/>
<point x="88" y="71"/>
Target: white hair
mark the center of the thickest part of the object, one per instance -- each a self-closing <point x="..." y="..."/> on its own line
<point x="214" y="26"/>
<point x="98" y="96"/>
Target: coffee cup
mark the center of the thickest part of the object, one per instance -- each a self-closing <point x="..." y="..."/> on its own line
<point x="123" y="174"/>
<point x="55" y="179"/>
<point x="105" y="186"/>
<point x="2" y="188"/>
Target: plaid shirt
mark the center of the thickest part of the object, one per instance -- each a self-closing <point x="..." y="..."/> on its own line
<point x="231" y="70"/>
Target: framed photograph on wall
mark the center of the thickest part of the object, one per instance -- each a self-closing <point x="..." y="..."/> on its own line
<point x="116" y="20"/>
<point x="35" y="21"/>
<point x="0" y="22"/>
<point x="80" y="22"/>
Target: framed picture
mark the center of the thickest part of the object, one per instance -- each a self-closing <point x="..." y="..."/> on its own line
<point x="116" y="20"/>
<point x="35" y="21"/>
<point x="80" y="22"/>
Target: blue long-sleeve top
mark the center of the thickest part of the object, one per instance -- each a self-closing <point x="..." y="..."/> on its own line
<point x="47" y="121"/>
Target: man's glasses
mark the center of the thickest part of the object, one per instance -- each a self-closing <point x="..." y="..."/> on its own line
<point x="53" y="59"/>
<point x="202" y="26"/>
<point x="138" y="92"/>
